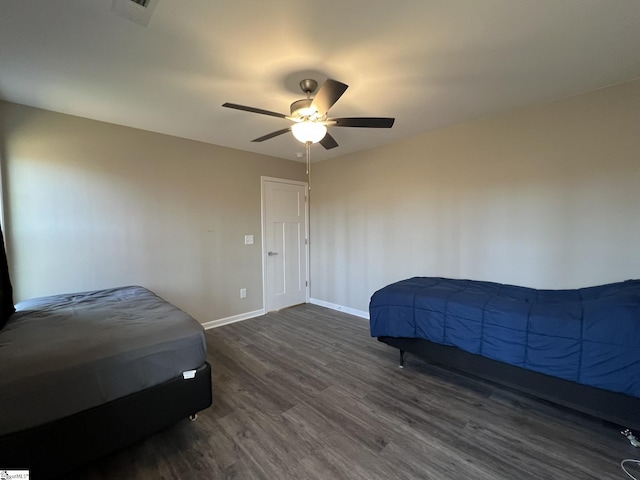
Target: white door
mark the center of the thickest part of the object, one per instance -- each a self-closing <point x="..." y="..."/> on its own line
<point x="284" y="243"/>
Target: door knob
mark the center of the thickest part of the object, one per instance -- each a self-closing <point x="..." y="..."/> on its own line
<point x="271" y="254"/>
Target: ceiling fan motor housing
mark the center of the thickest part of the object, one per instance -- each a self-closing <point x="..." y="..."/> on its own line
<point x="302" y="108"/>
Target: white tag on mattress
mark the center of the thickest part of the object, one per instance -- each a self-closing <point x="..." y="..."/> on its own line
<point x="189" y="374"/>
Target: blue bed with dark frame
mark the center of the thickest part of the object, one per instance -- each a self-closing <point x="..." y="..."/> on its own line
<point x="578" y="348"/>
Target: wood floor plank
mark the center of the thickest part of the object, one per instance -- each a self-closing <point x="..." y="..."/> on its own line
<point x="306" y="393"/>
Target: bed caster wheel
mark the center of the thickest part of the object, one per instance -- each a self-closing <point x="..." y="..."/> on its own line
<point x="193" y="417"/>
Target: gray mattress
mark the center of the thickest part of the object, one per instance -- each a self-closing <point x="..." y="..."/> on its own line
<point x="63" y="354"/>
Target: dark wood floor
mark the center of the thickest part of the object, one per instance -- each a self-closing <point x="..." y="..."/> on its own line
<point x="306" y="393"/>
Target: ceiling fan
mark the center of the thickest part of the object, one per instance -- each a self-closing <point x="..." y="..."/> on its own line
<point x="310" y="115"/>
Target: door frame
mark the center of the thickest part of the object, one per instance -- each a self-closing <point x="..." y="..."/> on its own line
<point x="263" y="215"/>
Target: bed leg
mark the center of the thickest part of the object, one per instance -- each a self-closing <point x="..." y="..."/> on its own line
<point x="401" y="358"/>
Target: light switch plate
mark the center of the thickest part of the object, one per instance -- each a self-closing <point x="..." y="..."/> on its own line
<point x="248" y="239"/>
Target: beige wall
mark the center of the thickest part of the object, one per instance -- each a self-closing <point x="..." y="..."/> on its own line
<point x="547" y="197"/>
<point x="91" y="205"/>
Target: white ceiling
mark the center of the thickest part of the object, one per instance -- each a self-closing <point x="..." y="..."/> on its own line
<point x="428" y="63"/>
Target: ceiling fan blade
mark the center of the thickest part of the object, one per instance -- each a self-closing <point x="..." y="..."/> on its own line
<point x="271" y="135"/>
<point x="328" y="95"/>
<point x="328" y="142"/>
<point x="366" y="122"/>
<point x="254" y="110"/>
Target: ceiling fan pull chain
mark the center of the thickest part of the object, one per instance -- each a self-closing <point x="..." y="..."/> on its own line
<point x="308" y="144"/>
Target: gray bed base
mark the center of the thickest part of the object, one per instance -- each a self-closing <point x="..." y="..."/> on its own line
<point x="48" y="451"/>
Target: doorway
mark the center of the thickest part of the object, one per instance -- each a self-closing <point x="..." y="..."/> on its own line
<point x="285" y="245"/>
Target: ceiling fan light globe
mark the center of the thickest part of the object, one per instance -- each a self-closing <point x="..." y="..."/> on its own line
<point x="309" y="131"/>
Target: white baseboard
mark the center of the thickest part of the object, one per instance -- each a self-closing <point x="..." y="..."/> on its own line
<point x="233" y="319"/>
<point x="256" y="313"/>
<point x="340" y="308"/>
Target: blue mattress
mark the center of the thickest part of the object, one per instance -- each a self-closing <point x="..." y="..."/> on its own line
<point x="588" y="335"/>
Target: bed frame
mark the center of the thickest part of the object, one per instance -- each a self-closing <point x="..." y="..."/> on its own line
<point x="57" y="447"/>
<point x="620" y="409"/>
